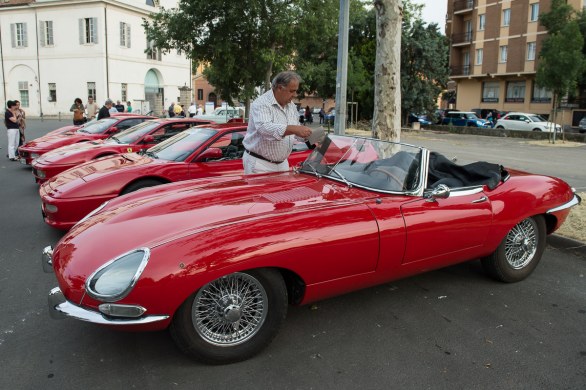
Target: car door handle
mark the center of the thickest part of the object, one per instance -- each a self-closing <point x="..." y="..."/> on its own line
<point x="482" y="199"/>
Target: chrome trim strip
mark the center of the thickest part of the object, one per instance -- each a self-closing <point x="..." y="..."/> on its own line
<point x="465" y="191"/>
<point x="47" y="259"/>
<point x="60" y="308"/>
<point x="575" y="201"/>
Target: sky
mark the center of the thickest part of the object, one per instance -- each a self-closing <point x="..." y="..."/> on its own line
<point x="434" y="12"/>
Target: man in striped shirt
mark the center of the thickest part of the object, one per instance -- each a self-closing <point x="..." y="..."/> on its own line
<point x="273" y="125"/>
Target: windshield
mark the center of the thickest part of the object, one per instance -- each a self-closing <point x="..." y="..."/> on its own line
<point x="471" y="116"/>
<point x="537" y="118"/>
<point x="182" y="145"/>
<point x="367" y="163"/>
<point x="99" y="127"/>
<point x="134" y="133"/>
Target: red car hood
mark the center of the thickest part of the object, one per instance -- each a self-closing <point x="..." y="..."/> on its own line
<point x="62" y="130"/>
<point x="55" y="141"/>
<point x="166" y="213"/>
<point x="101" y="166"/>
<point x="72" y="153"/>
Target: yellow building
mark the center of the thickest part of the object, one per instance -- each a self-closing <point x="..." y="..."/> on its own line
<point x="494" y="53"/>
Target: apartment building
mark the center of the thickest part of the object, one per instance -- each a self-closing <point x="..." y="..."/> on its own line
<point x="494" y="55"/>
<point x="53" y="51"/>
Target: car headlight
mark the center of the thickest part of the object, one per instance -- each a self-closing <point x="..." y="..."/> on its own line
<point x="115" y="279"/>
<point x="40" y="174"/>
<point x="35" y="155"/>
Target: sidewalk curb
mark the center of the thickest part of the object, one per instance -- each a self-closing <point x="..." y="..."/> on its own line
<point x="567" y="244"/>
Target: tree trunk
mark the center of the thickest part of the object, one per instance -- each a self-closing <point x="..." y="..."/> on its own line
<point x="386" y="122"/>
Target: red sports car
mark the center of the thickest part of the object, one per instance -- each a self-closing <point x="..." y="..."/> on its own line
<point x="218" y="260"/>
<point x="140" y="137"/>
<point x="195" y="153"/>
<point x="101" y="129"/>
<point x="70" y="128"/>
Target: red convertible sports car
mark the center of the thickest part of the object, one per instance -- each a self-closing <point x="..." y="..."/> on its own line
<point x="101" y="129"/>
<point x="218" y="260"/>
<point x="205" y="151"/>
<point x="137" y="138"/>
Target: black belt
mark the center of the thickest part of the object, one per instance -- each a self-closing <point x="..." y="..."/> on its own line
<point x="262" y="158"/>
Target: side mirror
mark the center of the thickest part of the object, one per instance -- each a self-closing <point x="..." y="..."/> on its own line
<point x="210" y="154"/>
<point x="440" y="192"/>
<point x="149" y="138"/>
<point x="112" y="130"/>
<point x="527" y="121"/>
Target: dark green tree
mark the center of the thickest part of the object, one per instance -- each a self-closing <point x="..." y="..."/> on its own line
<point x="424" y="63"/>
<point x="242" y="44"/>
<point x="561" y="60"/>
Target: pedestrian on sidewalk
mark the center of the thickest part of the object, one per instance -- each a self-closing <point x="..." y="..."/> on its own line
<point x="12" y="129"/>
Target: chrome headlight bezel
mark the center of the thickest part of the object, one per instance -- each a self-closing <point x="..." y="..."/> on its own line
<point x="113" y="269"/>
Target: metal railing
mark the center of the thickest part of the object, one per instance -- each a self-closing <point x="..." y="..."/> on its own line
<point x="463" y="5"/>
<point x="465" y="37"/>
<point x="460" y="70"/>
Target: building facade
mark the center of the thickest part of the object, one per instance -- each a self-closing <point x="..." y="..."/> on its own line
<point x="53" y="51"/>
<point x="494" y="53"/>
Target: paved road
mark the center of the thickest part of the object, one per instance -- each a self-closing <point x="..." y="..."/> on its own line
<point x="447" y="329"/>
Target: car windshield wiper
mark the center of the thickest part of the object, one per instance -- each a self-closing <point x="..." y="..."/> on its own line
<point x="151" y="154"/>
<point x="312" y="168"/>
<point x="115" y="139"/>
<point x="83" y="131"/>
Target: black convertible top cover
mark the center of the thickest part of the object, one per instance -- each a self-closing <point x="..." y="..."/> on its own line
<point x="444" y="171"/>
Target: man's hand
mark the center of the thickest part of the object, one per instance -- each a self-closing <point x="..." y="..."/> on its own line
<point x="298" y="130"/>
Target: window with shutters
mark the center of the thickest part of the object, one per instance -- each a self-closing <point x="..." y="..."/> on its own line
<point x="52" y="92"/>
<point x="124" y="34"/>
<point x="46" y="33"/>
<point x="91" y="90"/>
<point x="23" y="89"/>
<point x="124" y="92"/>
<point x="88" y="31"/>
<point x="18" y="35"/>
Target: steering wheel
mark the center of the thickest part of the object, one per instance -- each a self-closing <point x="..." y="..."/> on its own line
<point x="390" y="176"/>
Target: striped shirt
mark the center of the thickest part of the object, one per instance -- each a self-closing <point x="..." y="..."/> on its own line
<point x="267" y="123"/>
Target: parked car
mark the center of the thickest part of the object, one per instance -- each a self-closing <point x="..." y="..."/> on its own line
<point x="101" y="129"/>
<point x="526" y="122"/>
<point x="582" y="125"/>
<point x="423" y="119"/>
<point x="218" y="260"/>
<point x="140" y="137"/>
<point x="70" y="128"/>
<point x="204" y="151"/>
<point x="464" y="118"/>
<point x="224" y="115"/>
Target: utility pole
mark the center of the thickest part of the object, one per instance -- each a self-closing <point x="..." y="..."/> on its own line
<point x="342" y="70"/>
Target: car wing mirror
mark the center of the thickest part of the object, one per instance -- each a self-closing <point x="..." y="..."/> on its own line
<point x="210" y="154"/>
<point x="149" y="138"/>
<point x="440" y="192"/>
<point x="112" y="130"/>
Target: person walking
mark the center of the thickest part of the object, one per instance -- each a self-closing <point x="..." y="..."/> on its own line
<point x="192" y="110"/>
<point x="12" y="129"/>
<point x="128" y="106"/>
<point x="91" y="108"/>
<point x="273" y="125"/>
<point x="105" y="110"/>
<point x="171" y="110"/>
<point x="78" y="111"/>
<point x="322" y="116"/>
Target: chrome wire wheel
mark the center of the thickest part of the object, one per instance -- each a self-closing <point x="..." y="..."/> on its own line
<point x="230" y="310"/>
<point x="521" y="243"/>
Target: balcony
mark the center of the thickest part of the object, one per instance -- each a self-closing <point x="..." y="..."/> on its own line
<point x="461" y="39"/>
<point x="463" y="6"/>
<point x="460" y="70"/>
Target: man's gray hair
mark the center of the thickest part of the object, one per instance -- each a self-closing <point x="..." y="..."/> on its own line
<point x="108" y="101"/>
<point x="284" y="78"/>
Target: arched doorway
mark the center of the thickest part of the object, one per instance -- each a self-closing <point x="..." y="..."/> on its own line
<point x="153" y="92"/>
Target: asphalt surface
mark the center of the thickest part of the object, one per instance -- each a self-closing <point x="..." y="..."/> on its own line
<point x="449" y="329"/>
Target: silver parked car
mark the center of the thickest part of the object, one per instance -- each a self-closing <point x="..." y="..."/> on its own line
<point x="582" y="125"/>
<point x="526" y="122"/>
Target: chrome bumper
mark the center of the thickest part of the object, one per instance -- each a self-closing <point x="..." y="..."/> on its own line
<point x="576" y="200"/>
<point x="60" y="308"/>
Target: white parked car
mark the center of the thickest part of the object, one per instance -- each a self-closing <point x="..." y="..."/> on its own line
<point x="223" y="115"/>
<point x="525" y="121"/>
